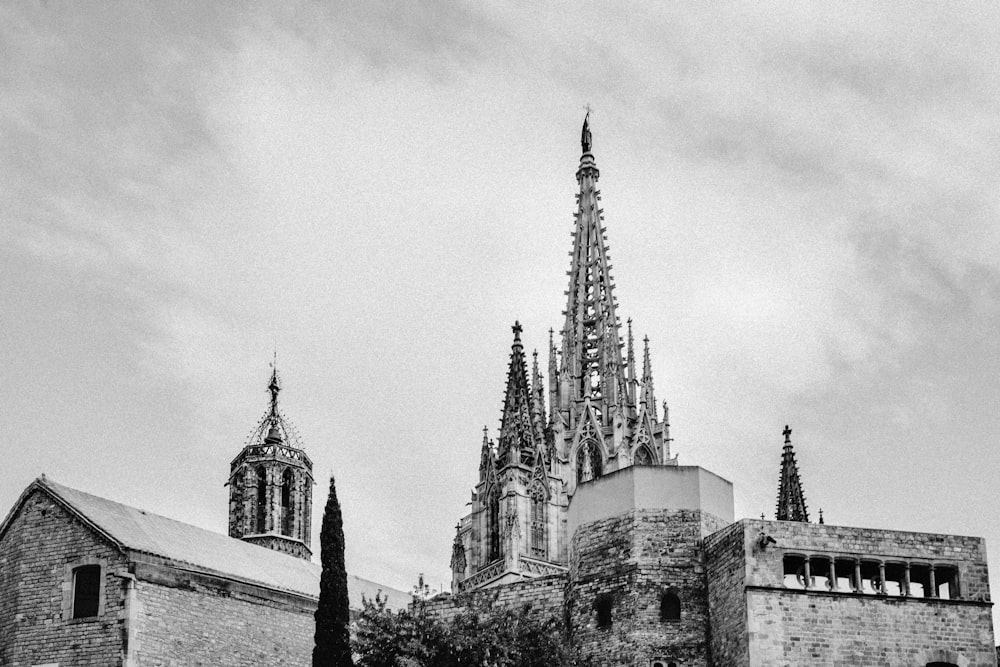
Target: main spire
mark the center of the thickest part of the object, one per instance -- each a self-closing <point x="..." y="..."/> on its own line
<point x="591" y="345"/>
<point x="791" y="500"/>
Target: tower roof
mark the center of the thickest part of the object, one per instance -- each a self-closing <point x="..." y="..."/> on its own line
<point x="791" y="500"/>
<point x="591" y="343"/>
<point x="274" y="427"/>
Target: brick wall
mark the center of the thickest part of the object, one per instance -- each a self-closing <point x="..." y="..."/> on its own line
<point x="189" y="619"/>
<point x="37" y="553"/>
<point x="633" y="559"/>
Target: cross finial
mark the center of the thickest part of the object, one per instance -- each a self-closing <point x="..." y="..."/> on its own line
<point x="788" y="435"/>
<point x="517" y="331"/>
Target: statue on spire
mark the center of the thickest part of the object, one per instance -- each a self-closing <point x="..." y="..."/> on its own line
<point x="585" y="138"/>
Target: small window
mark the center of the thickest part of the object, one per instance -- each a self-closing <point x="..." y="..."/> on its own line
<point x="670" y="606"/>
<point x="86" y="591"/>
<point x="602" y="605"/>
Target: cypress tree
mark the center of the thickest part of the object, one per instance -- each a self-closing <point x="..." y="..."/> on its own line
<point x="333" y="645"/>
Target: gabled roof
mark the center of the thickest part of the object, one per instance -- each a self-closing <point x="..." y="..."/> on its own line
<point x="193" y="548"/>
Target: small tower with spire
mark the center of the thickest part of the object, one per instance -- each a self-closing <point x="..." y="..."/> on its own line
<point x="270" y="485"/>
<point x="791" y="500"/>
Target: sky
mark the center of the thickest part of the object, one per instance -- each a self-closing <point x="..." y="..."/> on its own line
<point x="801" y="201"/>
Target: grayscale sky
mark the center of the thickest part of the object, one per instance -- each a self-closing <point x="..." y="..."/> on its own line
<point x="801" y="201"/>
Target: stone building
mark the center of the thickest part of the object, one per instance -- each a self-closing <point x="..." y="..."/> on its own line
<point x="581" y="510"/>
<point x="86" y="581"/>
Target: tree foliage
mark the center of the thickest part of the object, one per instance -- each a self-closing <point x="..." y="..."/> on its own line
<point x="332" y="647"/>
<point x="479" y="636"/>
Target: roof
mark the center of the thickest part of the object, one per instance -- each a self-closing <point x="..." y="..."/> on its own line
<point x="192" y="548"/>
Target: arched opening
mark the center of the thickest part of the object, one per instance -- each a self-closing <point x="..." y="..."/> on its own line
<point x="538" y="532"/>
<point x="286" y="502"/>
<point x="643" y="457"/>
<point x="261" y="518"/>
<point x="493" y="525"/>
<point x="588" y="461"/>
<point x="670" y="606"/>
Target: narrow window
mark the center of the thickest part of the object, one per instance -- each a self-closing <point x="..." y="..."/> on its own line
<point x="286" y="502"/>
<point x="602" y="605"/>
<point x="493" y="525"/>
<point x="86" y="591"/>
<point x="670" y="606"/>
<point x="261" y="500"/>
<point x="538" y="545"/>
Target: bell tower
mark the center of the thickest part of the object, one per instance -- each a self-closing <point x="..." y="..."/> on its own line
<point x="270" y="485"/>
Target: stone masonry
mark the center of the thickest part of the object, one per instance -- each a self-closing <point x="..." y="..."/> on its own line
<point x="762" y="615"/>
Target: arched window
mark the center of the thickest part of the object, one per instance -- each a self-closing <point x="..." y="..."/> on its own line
<point x="643" y="457"/>
<point x="493" y="524"/>
<point x="588" y="461"/>
<point x="670" y="606"/>
<point x="538" y="532"/>
<point x="286" y="502"/>
<point x="261" y="500"/>
<point x="86" y="591"/>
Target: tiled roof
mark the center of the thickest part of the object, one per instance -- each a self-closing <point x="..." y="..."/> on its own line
<point x="194" y="548"/>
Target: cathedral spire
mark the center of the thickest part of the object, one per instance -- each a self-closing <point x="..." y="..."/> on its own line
<point x="519" y="433"/>
<point x="791" y="501"/>
<point x="647" y="396"/>
<point x="591" y="345"/>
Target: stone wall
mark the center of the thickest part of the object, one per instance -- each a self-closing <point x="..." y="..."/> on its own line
<point x="632" y="560"/>
<point x="727" y="615"/>
<point x="759" y="619"/>
<point x="545" y="596"/>
<point x="190" y="619"/>
<point x="37" y="553"/>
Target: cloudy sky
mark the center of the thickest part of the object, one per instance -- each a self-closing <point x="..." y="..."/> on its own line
<point x="801" y="200"/>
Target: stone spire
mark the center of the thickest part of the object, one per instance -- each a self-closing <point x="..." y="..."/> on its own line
<point x="647" y="396"/>
<point x="591" y="346"/>
<point x="519" y="434"/>
<point x="791" y="501"/>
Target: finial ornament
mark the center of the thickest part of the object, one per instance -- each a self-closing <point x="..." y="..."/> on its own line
<point x="517" y="331"/>
<point x="585" y="138"/>
<point x="788" y="435"/>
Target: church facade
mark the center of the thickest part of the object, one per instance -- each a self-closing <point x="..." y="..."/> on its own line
<point x="89" y="582"/>
<point x="581" y="511"/>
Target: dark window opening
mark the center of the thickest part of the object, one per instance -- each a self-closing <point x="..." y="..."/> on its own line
<point x="670" y="607"/>
<point x="286" y="502"/>
<point x="86" y="591"/>
<point x="941" y="664"/>
<point x="602" y="605"/>
<point x="493" y="525"/>
<point x="261" y="500"/>
<point x="794" y="571"/>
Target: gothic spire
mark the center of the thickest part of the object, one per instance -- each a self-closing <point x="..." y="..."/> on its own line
<point x="591" y="345"/>
<point x="647" y="396"/>
<point x="519" y="433"/>
<point x="791" y="501"/>
<point x="630" y="363"/>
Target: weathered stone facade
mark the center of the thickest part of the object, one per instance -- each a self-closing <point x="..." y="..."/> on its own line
<point x="38" y="552"/>
<point x="762" y="614"/>
<point x="169" y="594"/>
